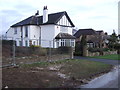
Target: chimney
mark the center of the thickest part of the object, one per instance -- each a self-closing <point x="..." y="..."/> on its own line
<point x="45" y="14"/>
<point x="37" y="13"/>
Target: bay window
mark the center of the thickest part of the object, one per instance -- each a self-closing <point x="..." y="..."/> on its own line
<point x="65" y="42"/>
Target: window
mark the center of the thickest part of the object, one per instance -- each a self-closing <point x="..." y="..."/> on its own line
<point x="33" y="42"/>
<point x="15" y="30"/>
<point x="72" y="42"/>
<point x="65" y="42"/>
<point x="26" y="43"/>
<point x="62" y="42"/>
<point x="26" y="31"/>
<point x="20" y="43"/>
<point x="57" y="43"/>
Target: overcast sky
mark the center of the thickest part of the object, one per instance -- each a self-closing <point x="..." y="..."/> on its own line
<point x="96" y="14"/>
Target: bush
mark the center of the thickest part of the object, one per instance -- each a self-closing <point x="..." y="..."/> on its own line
<point x="106" y="49"/>
<point x="38" y="50"/>
<point x="98" y="49"/>
<point x="93" y="49"/>
<point x="8" y="42"/>
<point x="78" y="53"/>
<point x="65" y="49"/>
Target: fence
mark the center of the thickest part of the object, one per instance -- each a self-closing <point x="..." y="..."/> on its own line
<point x="14" y="54"/>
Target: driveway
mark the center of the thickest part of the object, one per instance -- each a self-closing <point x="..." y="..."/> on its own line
<point x="109" y="80"/>
<point x="106" y="61"/>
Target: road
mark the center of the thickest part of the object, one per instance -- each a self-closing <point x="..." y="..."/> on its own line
<point x="109" y="80"/>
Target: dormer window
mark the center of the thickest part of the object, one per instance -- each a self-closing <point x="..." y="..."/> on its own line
<point x="15" y="30"/>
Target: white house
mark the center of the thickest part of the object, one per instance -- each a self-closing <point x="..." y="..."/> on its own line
<point x="50" y="30"/>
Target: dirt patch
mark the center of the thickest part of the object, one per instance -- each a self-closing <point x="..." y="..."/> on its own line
<point x="66" y="73"/>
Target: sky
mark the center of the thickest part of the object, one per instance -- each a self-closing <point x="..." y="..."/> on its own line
<point x="95" y="14"/>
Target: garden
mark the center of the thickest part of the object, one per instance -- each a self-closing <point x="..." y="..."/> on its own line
<point x="68" y="73"/>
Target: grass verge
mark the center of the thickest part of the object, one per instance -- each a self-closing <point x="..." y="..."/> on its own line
<point x="112" y="57"/>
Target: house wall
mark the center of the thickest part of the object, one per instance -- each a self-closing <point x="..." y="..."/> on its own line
<point x="34" y="34"/>
<point x="11" y="34"/>
<point x="47" y="35"/>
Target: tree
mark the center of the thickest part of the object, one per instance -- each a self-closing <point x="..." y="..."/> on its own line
<point x="84" y="45"/>
<point x="113" y="40"/>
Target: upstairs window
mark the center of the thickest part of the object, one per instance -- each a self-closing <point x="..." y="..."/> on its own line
<point x="15" y="30"/>
<point x="26" y="31"/>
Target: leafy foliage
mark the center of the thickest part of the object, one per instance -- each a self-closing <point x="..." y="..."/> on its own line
<point x="113" y="41"/>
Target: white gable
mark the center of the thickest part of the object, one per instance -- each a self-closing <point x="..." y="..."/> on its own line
<point x="64" y="21"/>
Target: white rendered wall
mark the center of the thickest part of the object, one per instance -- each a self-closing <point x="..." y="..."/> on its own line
<point x="35" y="34"/>
<point x="10" y="33"/>
<point x="17" y="37"/>
<point x="47" y="35"/>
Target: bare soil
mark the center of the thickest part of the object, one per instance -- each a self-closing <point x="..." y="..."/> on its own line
<point x="67" y="73"/>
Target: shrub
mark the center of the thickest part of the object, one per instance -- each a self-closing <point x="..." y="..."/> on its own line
<point x="92" y="49"/>
<point x="106" y="49"/>
<point x="8" y="42"/>
<point x="65" y="49"/>
<point x="78" y="53"/>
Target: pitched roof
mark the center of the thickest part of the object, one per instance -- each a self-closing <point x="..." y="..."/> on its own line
<point x="84" y="32"/>
<point x="38" y="20"/>
<point x="99" y="32"/>
<point x="64" y="36"/>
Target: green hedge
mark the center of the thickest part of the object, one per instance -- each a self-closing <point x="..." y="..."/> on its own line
<point x="8" y="42"/>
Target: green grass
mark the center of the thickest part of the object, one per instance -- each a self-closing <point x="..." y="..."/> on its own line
<point x="44" y="64"/>
<point x="112" y="57"/>
<point x="80" y="69"/>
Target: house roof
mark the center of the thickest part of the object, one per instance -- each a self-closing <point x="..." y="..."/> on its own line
<point x="99" y="32"/>
<point x="84" y="32"/>
<point x="64" y="36"/>
<point x="38" y="20"/>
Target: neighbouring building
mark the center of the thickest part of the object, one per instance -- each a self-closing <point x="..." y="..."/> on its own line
<point x="49" y="30"/>
<point x="94" y="38"/>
